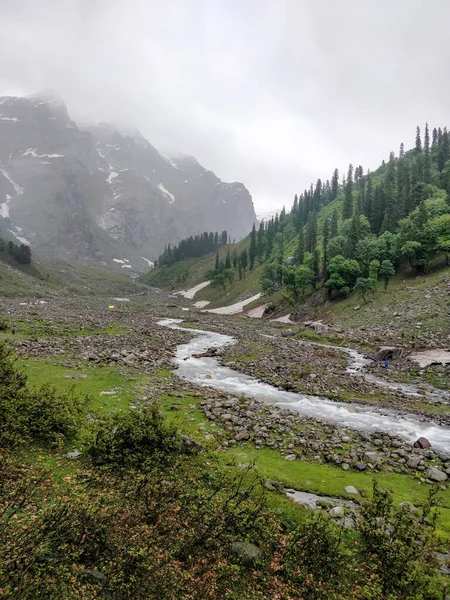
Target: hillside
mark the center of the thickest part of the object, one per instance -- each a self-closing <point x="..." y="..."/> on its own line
<point x="103" y="196"/>
<point x="345" y="238"/>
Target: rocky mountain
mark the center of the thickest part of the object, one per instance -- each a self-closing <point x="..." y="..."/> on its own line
<point x="101" y="195"/>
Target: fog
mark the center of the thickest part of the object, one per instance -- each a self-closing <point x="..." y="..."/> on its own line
<point x="273" y="93"/>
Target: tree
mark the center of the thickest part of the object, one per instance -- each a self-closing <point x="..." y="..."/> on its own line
<point x="334" y="224"/>
<point x="347" y="208"/>
<point x="300" y="251"/>
<point x="325" y="240"/>
<point x="227" y="260"/>
<point x="365" y="286"/>
<point x="367" y="250"/>
<point x="316" y="267"/>
<point x="252" y="250"/>
<point x="243" y="261"/>
<point x="235" y="259"/>
<point x="418" y="147"/>
<point x="342" y="274"/>
<point x="303" y="277"/>
<point x="387" y="272"/>
<point x="334" y="184"/>
<point x="216" y="265"/>
<point x="427" y="158"/>
<point x="260" y="241"/>
<point x="374" y="269"/>
<point x="312" y="232"/>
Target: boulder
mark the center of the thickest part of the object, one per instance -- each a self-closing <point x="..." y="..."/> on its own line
<point x="290" y="457"/>
<point x="422" y="443"/>
<point x="389" y="353"/>
<point x="247" y="552"/>
<point x="350" y="489"/>
<point x="436" y="475"/>
<point x="73" y="454"/>
<point x="287" y="333"/>
<point x="361" y="466"/>
<point x="373" y="457"/>
<point x="316" y="326"/>
<point x="413" y="462"/>
<point x="337" y="512"/>
<point x="208" y="353"/>
<point x="130" y="359"/>
<point x="242" y="435"/>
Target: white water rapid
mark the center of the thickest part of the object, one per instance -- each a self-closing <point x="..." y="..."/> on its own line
<point x="210" y="373"/>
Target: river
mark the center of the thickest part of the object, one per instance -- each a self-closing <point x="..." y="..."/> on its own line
<point x="209" y="372"/>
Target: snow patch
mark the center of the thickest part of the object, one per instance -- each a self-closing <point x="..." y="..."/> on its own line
<point x="22" y="240"/>
<point x="234" y="309"/>
<point x="121" y="261"/>
<point x="149" y="262"/>
<point x="121" y="299"/>
<point x="32" y="152"/>
<point x="126" y="266"/>
<point x="111" y="176"/>
<point x="15" y="119"/>
<point x="147" y="178"/>
<point x="191" y="292"/>
<point x="166" y="192"/>
<point x="170" y="161"/>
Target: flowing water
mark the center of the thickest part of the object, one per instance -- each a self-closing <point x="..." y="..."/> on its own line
<point x="209" y="372"/>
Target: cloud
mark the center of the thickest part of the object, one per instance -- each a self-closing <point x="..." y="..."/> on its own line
<point x="274" y="94"/>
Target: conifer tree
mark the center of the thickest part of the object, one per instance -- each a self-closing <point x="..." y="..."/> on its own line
<point x="300" y="250"/>
<point x="252" y="249"/>
<point x="260" y="240"/>
<point x="216" y="266"/>
<point x="435" y="138"/>
<point x="334" y="224"/>
<point x="325" y="240"/>
<point x="312" y="232"/>
<point x="418" y="147"/>
<point x="347" y="209"/>
<point x="228" y="260"/>
<point x="334" y="184"/>
<point x="427" y="158"/>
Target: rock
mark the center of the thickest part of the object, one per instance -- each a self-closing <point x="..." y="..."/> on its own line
<point x="290" y="457"/>
<point x="373" y="457"/>
<point x="337" y="512"/>
<point x="350" y="489"/>
<point x="357" y="307"/>
<point x="92" y="573"/>
<point x="413" y="462"/>
<point x="130" y="359"/>
<point x="247" y="552"/>
<point x="361" y="466"/>
<point x="208" y="353"/>
<point x="242" y="435"/>
<point x="73" y="454"/>
<point x="389" y="353"/>
<point x="346" y="439"/>
<point x="287" y="333"/>
<point x="410" y="506"/>
<point x="316" y="326"/>
<point x="422" y="443"/>
<point x="345" y="466"/>
<point x="436" y="475"/>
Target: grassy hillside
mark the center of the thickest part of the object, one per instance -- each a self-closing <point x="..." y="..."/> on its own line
<point x="50" y="276"/>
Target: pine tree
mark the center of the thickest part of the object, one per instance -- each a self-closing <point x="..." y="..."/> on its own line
<point x="316" y="267"/>
<point x="418" y="147"/>
<point x="334" y="224"/>
<point x="427" y="158"/>
<point x="216" y="266"/>
<point x="435" y="138"/>
<point x="334" y="184"/>
<point x="444" y="150"/>
<point x="312" y="232"/>
<point x="252" y="249"/>
<point x="325" y="240"/>
<point x="401" y="154"/>
<point x="300" y="251"/>
<point x="368" y="200"/>
<point x="347" y="209"/>
<point x="260" y="240"/>
<point x="228" y="260"/>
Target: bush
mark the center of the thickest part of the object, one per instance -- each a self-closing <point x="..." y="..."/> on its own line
<point x="34" y="414"/>
<point x="136" y="439"/>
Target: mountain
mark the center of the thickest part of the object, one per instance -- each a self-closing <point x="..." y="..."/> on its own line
<point x="101" y="195"/>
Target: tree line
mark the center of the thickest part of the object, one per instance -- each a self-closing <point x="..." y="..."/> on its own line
<point x="349" y="233"/>
<point x="22" y="253"/>
<point x="192" y="247"/>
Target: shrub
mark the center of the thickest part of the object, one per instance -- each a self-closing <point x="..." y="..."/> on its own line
<point x="136" y="438"/>
<point x="34" y="414"/>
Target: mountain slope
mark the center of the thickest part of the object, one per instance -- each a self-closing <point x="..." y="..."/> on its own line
<point x="98" y="195"/>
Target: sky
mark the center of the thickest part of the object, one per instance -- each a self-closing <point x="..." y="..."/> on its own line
<point x="273" y="93"/>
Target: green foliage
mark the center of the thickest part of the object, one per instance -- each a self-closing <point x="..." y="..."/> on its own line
<point x="342" y="274"/>
<point x="136" y="439"/>
<point x="386" y="272"/>
<point x="365" y="286"/>
<point x="28" y="415"/>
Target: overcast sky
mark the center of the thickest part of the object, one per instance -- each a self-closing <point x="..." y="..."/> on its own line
<point x="273" y="93"/>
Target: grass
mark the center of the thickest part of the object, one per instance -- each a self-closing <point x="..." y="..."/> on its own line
<point x="97" y="379"/>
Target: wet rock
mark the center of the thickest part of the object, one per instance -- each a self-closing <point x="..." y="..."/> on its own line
<point x="208" y="353"/>
<point x="389" y="353"/>
<point x="422" y="443"/>
<point x="435" y="474"/>
<point x="247" y="552"/>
